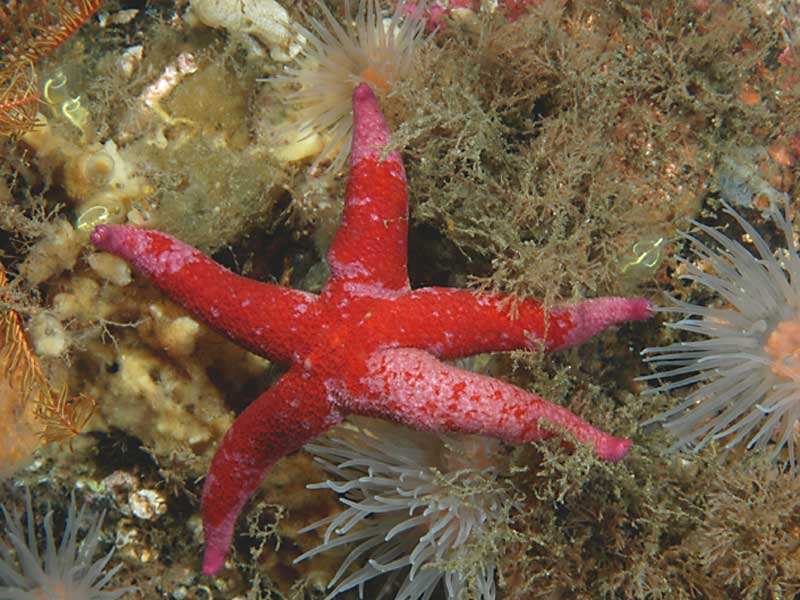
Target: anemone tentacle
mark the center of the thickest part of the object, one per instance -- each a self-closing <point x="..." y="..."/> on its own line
<point x="745" y="374"/>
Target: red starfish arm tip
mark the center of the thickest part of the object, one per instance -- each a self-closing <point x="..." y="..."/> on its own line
<point x="588" y="318"/>
<point x="476" y="323"/>
<point x="412" y="387"/>
<point x="267" y="319"/>
<point x="280" y="421"/>
<point x="370" y="246"/>
<point x="370" y="132"/>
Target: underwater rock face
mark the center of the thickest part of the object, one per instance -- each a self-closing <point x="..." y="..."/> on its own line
<point x="554" y="150"/>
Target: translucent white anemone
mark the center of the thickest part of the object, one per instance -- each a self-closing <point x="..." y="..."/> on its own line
<point x="423" y="507"/>
<point x="367" y="47"/>
<point x="59" y="572"/>
<point x="745" y="373"/>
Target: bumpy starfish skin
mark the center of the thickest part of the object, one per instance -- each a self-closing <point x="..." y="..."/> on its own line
<point x="367" y="344"/>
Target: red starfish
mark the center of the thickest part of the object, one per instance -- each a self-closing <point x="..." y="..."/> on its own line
<point x="367" y="344"/>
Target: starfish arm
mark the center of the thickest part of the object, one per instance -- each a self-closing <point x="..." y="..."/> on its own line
<point x="412" y="387"/>
<point x="280" y="421"/>
<point x="370" y="246"/>
<point x="267" y="319"/>
<point x="453" y="323"/>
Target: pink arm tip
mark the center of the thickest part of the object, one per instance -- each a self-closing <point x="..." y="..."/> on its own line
<point x="370" y="133"/>
<point x="611" y="448"/>
<point x="99" y="236"/>
<point x="590" y="317"/>
<point x="111" y="238"/>
<point x="212" y="562"/>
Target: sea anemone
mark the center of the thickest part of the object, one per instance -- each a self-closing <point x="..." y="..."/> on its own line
<point x="63" y="572"/>
<point x="422" y="506"/>
<point x="746" y="372"/>
<point x="336" y="57"/>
